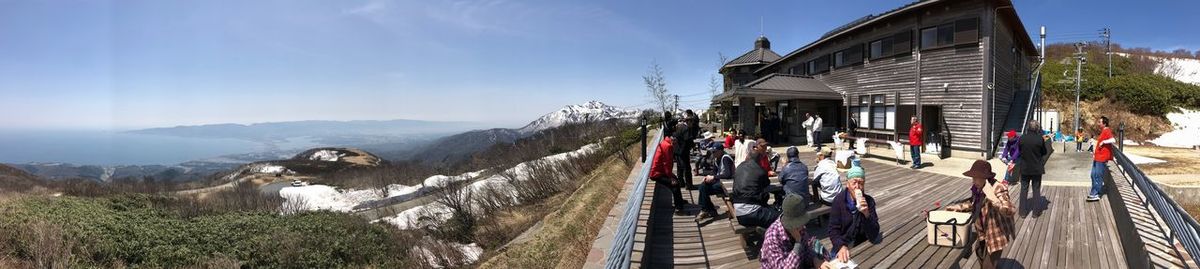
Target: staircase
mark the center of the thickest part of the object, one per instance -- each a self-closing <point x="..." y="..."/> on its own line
<point x="1025" y="104"/>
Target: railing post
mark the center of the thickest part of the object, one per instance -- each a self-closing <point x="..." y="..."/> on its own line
<point x="1121" y="137"/>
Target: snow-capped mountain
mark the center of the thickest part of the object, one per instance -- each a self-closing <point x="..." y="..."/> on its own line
<point x="590" y="111"/>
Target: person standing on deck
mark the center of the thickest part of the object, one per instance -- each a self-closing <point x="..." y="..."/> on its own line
<point x="788" y="244"/>
<point x="808" y="128"/>
<point x="992" y="210"/>
<point x="683" y="156"/>
<point x="660" y="172"/>
<point x="1103" y="154"/>
<point x="1034" y="153"/>
<point x="817" y="123"/>
<point x="916" y="134"/>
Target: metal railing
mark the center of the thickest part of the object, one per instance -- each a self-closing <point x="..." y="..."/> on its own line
<point x="1183" y="227"/>
<point x="621" y="252"/>
<point x="1034" y="97"/>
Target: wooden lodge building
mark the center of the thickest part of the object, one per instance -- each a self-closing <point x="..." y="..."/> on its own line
<point x="963" y="67"/>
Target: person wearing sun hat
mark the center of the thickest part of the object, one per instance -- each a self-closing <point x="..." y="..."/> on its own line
<point x="852" y="219"/>
<point x="787" y="243"/>
<point x="990" y="205"/>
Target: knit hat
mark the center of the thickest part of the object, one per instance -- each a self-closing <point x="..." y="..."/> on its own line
<point x="1011" y="134"/>
<point x="856" y="172"/>
<point x="795" y="212"/>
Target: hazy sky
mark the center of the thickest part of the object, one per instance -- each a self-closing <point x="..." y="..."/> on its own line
<point x="140" y="63"/>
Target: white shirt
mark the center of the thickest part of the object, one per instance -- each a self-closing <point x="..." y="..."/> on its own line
<point x="739" y="152"/>
<point x="744" y="209"/>
<point x="831" y="182"/>
<point x="817" y="123"/>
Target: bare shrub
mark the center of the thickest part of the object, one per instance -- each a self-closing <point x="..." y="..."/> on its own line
<point x="458" y="197"/>
<point x="47" y="245"/>
<point x="294" y="205"/>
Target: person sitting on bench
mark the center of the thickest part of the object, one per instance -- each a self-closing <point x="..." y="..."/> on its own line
<point x="788" y="244"/>
<point x="712" y="185"/>
<point x="827" y="183"/>
<point x="853" y="219"/>
<point x="750" y="194"/>
<point x="794" y="176"/>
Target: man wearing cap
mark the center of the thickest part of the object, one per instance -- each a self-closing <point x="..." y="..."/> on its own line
<point x="794" y="176"/>
<point x="787" y="243"/>
<point x="853" y="219"/>
<point x="827" y="181"/>
<point x="992" y="210"/>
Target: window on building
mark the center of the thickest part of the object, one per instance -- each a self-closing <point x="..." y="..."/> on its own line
<point x="891" y="118"/>
<point x="848" y="56"/>
<point x="891" y="45"/>
<point x="818" y="65"/>
<point x="878" y="117"/>
<point x="864" y="117"/>
<point x="963" y="31"/>
<point x="928" y="37"/>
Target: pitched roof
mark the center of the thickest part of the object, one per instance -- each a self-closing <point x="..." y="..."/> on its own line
<point x="755" y="56"/>
<point x="784" y="86"/>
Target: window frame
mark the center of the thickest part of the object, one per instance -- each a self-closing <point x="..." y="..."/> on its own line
<point x="950" y="33"/>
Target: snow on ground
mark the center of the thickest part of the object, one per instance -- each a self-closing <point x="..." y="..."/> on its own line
<point x="322" y="197"/>
<point x="1186" y="133"/>
<point x="470" y="252"/>
<point x="435" y="213"/>
<point x="1181" y="69"/>
<point x="1139" y="159"/>
<point x="326" y="155"/>
<point x="268" y="169"/>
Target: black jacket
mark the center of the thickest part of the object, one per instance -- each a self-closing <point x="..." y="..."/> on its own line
<point x="1033" y="153"/>
<point x="750" y="183"/>
<point x="693" y="127"/>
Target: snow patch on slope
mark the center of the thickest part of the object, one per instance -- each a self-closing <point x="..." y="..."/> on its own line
<point x="1181" y="69"/>
<point x="1186" y="133"/>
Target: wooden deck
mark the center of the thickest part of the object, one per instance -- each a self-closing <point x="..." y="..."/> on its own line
<point x="1068" y="233"/>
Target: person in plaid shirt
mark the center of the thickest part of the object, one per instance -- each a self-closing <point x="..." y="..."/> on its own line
<point x="990" y="204"/>
<point x="787" y="244"/>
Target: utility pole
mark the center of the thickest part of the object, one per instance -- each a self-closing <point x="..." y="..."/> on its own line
<point x="1107" y="34"/>
<point x="676" y="103"/>
<point x="1080" y="59"/>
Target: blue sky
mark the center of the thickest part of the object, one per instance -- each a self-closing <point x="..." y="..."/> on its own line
<point x="143" y="63"/>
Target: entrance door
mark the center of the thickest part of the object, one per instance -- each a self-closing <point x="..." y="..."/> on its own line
<point x="935" y="133"/>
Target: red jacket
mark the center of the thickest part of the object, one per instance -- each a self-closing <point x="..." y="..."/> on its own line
<point x="729" y="141"/>
<point x="915" y="134"/>
<point x="663" y="159"/>
<point x="1104" y="151"/>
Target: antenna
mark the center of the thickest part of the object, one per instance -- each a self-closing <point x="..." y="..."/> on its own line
<point x="760" y="26"/>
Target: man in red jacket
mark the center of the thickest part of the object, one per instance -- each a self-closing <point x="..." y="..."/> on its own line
<point x="915" y="134"/>
<point x="660" y="172"/>
<point x="1103" y="154"/>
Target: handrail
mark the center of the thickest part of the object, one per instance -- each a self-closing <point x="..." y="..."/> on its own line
<point x="1183" y="227"/>
<point x="1034" y="94"/>
<point x="621" y="252"/>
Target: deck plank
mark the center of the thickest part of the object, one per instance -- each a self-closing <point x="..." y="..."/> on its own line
<point x="1070" y="233"/>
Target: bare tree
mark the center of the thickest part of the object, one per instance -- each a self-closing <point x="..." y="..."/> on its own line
<point x="656" y="85"/>
<point x="714" y="81"/>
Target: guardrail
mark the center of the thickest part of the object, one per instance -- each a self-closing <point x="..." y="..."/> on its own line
<point x="621" y="252"/>
<point x="1183" y="227"/>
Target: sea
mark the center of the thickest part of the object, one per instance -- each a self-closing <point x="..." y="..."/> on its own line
<point x="106" y="148"/>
